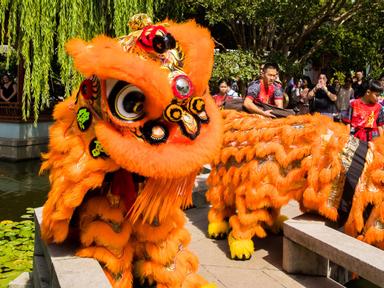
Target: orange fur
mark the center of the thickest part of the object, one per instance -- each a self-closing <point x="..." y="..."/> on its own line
<point x="150" y="232"/>
<point x="146" y="232"/>
<point x="164" y="252"/>
<point x="198" y="55"/>
<point x="157" y="161"/>
<point x="160" y="195"/>
<point x="102" y="234"/>
<point x="114" y="264"/>
<point x="194" y="281"/>
<point x="171" y="275"/>
<point x="265" y="163"/>
<point x="99" y="207"/>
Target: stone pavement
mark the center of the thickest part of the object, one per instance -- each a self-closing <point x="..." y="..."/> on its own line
<point x="264" y="269"/>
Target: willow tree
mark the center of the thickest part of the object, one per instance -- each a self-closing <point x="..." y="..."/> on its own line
<point x="39" y="29"/>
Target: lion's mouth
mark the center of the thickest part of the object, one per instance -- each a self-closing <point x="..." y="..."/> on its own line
<point x="126" y="186"/>
<point x="149" y="198"/>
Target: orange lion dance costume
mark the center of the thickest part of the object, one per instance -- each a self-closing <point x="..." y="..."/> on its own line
<point x="265" y="163"/>
<point x="126" y="147"/>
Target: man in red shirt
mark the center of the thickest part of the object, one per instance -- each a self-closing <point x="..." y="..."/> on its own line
<point x="265" y="90"/>
<point x="366" y="116"/>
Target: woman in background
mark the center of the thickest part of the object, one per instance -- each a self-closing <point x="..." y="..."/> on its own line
<point x="8" y="91"/>
<point x="222" y="96"/>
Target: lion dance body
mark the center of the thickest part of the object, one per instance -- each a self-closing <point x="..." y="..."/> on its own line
<point x="265" y="163"/>
<point x="125" y="149"/>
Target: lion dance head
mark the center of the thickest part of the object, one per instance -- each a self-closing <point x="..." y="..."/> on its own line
<point x="126" y="146"/>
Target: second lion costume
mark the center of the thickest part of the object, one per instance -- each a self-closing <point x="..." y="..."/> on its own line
<point x="265" y="163"/>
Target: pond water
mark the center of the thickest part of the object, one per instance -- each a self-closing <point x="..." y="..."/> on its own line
<point x="21" y="187"/>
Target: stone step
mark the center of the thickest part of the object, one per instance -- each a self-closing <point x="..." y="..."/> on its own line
<point x="56" y="266"/>
<point x="24" y="280"/>
<point x="309" y="243"/>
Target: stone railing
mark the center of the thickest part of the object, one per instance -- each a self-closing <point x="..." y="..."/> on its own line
<point x="56" y="266"/>
<point x="309" y="245"/>
<point x="12" y="112"/>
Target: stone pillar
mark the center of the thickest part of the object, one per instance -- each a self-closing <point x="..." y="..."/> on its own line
<point x="299" y="260"/>
<point x="21" y="141"/>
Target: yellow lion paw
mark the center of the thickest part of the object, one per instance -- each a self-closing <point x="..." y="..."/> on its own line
<point x="210" y="285"/>
<point x="240" y="249"/>
<point x="277" y="226"/>
<point x="218" y="230"/>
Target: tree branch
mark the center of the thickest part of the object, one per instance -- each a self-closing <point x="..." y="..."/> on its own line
<point x="217" y="43"/>
<point x="333" y="8"/>
<point x="235" y="33"/>
<point x="254" y="37"/>
<point x="348" y="14"/>
<point x="311" y="51"/>
<point x="243" y="36"/>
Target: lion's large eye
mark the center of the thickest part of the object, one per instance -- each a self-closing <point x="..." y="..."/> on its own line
<point x="125" y="100"/>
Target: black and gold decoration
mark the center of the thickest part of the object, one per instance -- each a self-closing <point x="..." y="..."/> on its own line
<point x="155" y="132"/>
<point x="189" y="123"/>
<point x="84" y="118"/>
<point x="173" y="112"/>
<point x="196" y="106"/>
<point x="96" y="149"/>
<point x="186" y="111"/>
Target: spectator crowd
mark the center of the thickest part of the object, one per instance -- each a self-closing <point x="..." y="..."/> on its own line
<point x="355" y="101"/>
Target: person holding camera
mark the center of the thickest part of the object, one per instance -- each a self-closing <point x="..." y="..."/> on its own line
<point x="323" y="98"/>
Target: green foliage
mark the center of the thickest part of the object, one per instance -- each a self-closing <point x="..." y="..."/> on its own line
<point x="287" y="66"/>
<point x="340" y="75"/>
<point x="235" y="64"/>
<point x="350" y="33"/>
<point x="175" y="10"/>
<point x="3" y="6"/>
<point x="377" y="73"/>
<point x="16" y="247"/>
<point x="12" y="63"/>
<point x="356" y="44"/>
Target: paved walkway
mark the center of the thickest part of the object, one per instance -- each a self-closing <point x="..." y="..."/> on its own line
<point x="264" y="269"/>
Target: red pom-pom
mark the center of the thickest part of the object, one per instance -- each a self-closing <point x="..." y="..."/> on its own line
<point x="86" y="89"/>
<point x="149" y="32"/>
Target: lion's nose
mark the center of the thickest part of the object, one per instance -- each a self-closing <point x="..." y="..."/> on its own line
<point x="190" y="124"/>
<point x="187" y="122"/>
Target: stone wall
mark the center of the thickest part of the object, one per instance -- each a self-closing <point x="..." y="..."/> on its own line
<point x="21" y="141"/>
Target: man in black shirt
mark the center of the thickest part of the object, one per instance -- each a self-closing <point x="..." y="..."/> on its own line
<point x="323" y="97"/>
<point x="359" y="87"/>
